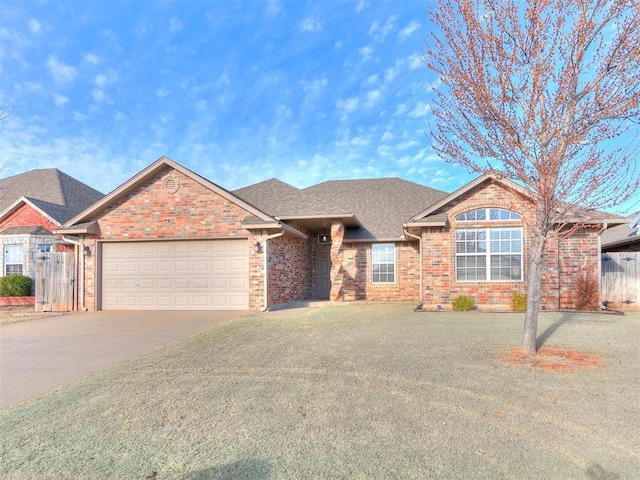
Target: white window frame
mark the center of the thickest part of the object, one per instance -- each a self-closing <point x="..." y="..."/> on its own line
<point x="487" y="215"/>
<point x="380" y="257"/>
<point x="487" y="249"/>
<point x="13" y="259"/>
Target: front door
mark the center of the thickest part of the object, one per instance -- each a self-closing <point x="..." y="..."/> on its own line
<point x="324" y="273"/>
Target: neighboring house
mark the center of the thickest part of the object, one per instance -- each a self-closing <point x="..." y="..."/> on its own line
<point x="623" y="238"/>
<point x="32" y="206"/>
<point x="170" y="239"/>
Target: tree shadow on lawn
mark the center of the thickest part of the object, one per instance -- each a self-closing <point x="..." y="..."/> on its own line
<point x="569" y="318"/>
<point x="250" y="468"/>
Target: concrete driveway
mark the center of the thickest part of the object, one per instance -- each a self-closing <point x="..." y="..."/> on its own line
<point x="41" y="355"/>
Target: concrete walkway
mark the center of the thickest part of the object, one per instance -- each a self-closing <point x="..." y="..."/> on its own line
<point x="41" y="355"/>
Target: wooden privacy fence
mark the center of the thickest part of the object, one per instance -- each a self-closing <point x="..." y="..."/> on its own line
<point x="55" y="276"/>
<point x="621" y="280"/>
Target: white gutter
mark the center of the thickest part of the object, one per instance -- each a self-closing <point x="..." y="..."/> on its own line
<point x="420" y="244"/>
<point x="266" y="269"/>
<point x="80" y="269"/>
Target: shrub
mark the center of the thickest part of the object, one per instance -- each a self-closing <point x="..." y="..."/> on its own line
<point x="519" y="302"/>
<point x="586" y="291"/>
<point x="15" y="286"/>
<point x="462" y="303"/>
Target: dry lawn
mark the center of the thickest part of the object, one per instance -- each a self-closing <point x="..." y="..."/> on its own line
<point x="19" y="313"/>
<point x="347" y="392"/>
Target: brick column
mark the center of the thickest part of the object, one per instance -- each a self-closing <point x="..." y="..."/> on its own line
<point x="337" y="236"/>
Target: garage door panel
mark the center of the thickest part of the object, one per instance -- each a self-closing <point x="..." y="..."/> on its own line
<point x="183" y="275"/>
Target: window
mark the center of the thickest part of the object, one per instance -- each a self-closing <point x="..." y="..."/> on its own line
<point x="487" y="214"/>
<point x="44" y="248"/>
<point x="489" y="254"/>
<point x="13" y="258"/>
<point x="383" y="261"/>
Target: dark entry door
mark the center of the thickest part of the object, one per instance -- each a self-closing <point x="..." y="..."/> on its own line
<point x="324" y="273"/>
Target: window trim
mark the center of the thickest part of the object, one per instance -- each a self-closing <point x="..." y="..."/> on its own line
<point x="488" y="253"/>
<point x="374" y="263"/>
<point x="513" y="216"/>
<point x="13" y="264"/>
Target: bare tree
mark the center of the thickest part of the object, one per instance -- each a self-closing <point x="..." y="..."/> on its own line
<point x="546" y="93"/>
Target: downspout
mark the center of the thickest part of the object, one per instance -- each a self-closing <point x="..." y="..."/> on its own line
<point x="266" y="270"/>
<point x="406" y="232"/>
<point x="80" y="271"/>
<point x="599" y="269"/>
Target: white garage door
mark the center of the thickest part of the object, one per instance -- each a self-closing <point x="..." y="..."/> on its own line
<point x="175" y="275"/>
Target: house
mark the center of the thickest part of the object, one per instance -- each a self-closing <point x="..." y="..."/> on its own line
<point x="32" y="206"/>
<point x="623" y="238"/>
<point x="171" y="239"/>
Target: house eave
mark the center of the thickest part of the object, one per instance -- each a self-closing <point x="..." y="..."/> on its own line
<point x="88" y="228"/>
<point x="349" y="220"/>
<point x="288" y="230"/>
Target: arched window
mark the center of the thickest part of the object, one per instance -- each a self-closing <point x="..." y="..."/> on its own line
<point x="488" y="253"/>
<point x="487" y="215"/>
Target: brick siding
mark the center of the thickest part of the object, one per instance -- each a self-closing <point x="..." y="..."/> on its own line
<point x="563" y="257"/>
<point x="149" y="212"/>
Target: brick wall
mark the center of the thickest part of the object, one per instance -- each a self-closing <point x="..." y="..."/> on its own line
<point x="26" y="216"/>
<point x="357" y="283"/>
<point x="289" y="270"/>
<point x="149" y="212"/>
<point x="563" y="257"/>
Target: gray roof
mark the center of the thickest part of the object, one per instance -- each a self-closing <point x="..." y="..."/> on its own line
<point x="381" y="205"/>
<point x="57" y="194"/>
<point x="35" y="230"/>
<point x="621" y="235"/>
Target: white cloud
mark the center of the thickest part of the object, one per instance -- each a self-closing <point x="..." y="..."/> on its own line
<point x="421" y="109"/>
<point x="380" y="32"/>
<point x="175" y="25"/>
<point x="310" y="25"/>
<point x="273" y="9"/>
<point x="391" y="73"/>
<point x="409" y="29"/>
<point x="60" y="100"/>
<point x="92" y="58"/>
<point x="34" y="26"/>
<point x="201" y="105"/>
<point x="415" y="62"/>
<point x="372" y="98"/>
<point x="349" y="105"/>
<point x="100" y="80"/>
<point x="366" y="53"/>
<point x="61" y="72"/>
<point x="371" y="80"/>
<point x="361" y="6"/>
<point x="315" y="87"/>
<point x="99" y="95"/>
<point x="401" y="109"/>
<point x="162" y="92"/>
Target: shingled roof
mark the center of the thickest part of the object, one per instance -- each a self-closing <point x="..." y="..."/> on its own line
<point x="379" y="206"/>
<point x="57" y="194"/>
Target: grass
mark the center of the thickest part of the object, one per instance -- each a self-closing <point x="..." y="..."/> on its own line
<point x="346" y="392"/>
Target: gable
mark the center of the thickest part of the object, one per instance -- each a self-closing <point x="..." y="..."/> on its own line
<point x="25" y="215"/>
<point x="170" y="204"/>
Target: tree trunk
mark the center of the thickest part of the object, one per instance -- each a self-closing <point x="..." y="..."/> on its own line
<point x="534" y="284"/>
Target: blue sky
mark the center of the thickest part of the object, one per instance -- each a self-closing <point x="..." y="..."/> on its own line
<point x="238" y="92"/>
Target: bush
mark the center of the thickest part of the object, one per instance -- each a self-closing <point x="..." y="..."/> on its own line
<point x="587" y="295"/>
<point x="519" y="302"/>
<point x="15" y="286"/>
<point x="462" y="303"/>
